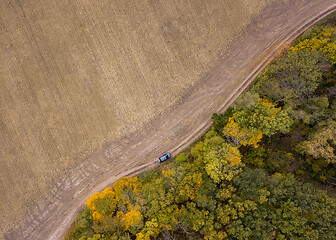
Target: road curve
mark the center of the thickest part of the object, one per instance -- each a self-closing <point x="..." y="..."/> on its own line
<point x="180" y="125"/>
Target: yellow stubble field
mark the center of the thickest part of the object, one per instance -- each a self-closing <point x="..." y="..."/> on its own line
<point x="77" y="74"/>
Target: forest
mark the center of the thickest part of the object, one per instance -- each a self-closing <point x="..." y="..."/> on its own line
<point x="265" y="170"/>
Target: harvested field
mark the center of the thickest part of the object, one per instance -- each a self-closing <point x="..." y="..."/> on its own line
<point x="76" y="75"/>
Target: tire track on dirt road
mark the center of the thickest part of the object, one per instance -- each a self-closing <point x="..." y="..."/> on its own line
<point x="179" y="126"/>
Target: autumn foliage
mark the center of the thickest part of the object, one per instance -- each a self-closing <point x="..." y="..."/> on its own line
<point x="246" y="126"/>
<point x="118" y="206"/>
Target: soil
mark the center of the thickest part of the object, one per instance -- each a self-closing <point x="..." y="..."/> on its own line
<point x="179" y="126"/>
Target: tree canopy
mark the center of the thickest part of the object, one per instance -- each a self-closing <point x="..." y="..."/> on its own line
<point x="293" y="77"/>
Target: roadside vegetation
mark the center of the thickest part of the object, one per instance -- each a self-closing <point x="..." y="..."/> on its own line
<point x="253" y="176"/>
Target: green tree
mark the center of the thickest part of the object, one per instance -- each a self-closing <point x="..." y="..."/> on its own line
<point x="247" y="100"/>
<point x="294" y="76"/>
<point x="82" y="225"/>
<point x="313" y="110"/>
<point x="251" y="184"/>
<point x="220" y="120"/>
<point x="247" y="125"/>
<point x="278" y="207"/>
<point x="322" y="142"/>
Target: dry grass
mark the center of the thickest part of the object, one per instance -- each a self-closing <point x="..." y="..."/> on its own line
<point x="78" y="74"/>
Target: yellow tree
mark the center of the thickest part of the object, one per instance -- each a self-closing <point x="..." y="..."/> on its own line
<point x="223" y="162"/>
<point x="119" y="206"/>
<point x="102" y="204"/>
<point x="322" y="40"/>
<point x="241" y="135"/>
<point x="247" y="125"/>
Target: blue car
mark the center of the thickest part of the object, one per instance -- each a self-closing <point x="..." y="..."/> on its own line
<point x="164" y="157"/>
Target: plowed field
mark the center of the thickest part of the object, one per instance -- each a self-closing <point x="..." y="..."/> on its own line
<point x="76" y="75"/>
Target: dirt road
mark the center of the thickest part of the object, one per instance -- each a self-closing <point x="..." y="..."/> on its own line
<point x="179" y="126"/>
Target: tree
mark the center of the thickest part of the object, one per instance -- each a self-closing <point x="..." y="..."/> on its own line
<point x="279" y="207"/>
<point x="81" y="226"/>
<point x="322" y="39"/>
<point x="118" y="207"/>
<point x="278" y="161"/>
<point x="251" y="184"/>
<point x="247" y="125"/>
<point x="247" y="100"/>
<point x="220" y="120"/>
<point x="241" y="135"/>
<point x="322" y="142"/>
<point x="313" y="110"/>
<point x="102" y="204"/>
<point x="293" y="77"/>
<point x="181" y="158"/>
<point x="223" y="162"/>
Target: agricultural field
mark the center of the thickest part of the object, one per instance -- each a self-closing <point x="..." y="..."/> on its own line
<point x="76" y="75"/>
